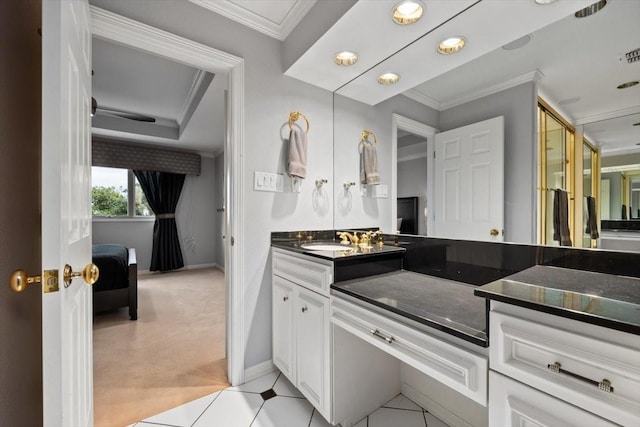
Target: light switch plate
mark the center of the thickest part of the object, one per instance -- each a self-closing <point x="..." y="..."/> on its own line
<point x="265" y="181"/>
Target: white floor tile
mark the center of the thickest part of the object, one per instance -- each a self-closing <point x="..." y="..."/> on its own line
<point x="231" y="409"/>
<point x="284" y="387"/>
<point x="434" y="422"/>
<point x="402" y="402"/>
<point x="318" y="420"/>
<point x="184" y="415"/>
<point x="258" y="385"/>
<point x="284" y="412"/>
<point x="385" y="417"/>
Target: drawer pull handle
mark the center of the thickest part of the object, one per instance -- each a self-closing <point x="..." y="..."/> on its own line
<point x="380" y="335"/>
<point x="604" y="385"/>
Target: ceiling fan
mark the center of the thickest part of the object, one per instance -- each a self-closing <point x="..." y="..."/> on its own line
<point x="120" y="113"/>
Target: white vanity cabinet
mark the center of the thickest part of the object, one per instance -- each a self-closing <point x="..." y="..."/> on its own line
<point x="548" y="370"/>
<point x="301" y="340"/>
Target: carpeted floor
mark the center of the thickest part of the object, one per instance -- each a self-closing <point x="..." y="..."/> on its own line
<point x="172" y="354"/>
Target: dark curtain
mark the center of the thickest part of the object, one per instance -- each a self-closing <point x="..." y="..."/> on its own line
<point x="162" y="190"/>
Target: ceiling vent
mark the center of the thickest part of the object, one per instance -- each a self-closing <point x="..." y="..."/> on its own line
<point x="632" y="56"/>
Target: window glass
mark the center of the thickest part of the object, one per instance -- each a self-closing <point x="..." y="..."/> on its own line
<point x="141" y="203"/>
<point x="109" y="191"/>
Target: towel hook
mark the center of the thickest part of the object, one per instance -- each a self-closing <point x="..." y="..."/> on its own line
<point x="366" y="134"/>
<point x="294" y="116"/>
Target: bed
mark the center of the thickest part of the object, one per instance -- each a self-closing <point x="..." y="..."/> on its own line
<point x="117" y="284"/>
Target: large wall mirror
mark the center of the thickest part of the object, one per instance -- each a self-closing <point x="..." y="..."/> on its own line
<point x="575" y="64"/>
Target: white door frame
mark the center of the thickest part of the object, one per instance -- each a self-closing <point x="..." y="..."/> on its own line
<point x="124" y="31"/>
<point x="401" y="122"/>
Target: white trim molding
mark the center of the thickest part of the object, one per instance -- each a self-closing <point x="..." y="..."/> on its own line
<point x="423" y="98"/>
<point x="125" y="31"/>
<point x="608" y="115"/>
<point x="259" y="370"/>
<point x="277" y="30"/>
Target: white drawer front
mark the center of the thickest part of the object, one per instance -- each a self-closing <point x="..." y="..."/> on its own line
<point x="303" y="271"/>
<point x="525" y="350"/>
<point x="453" y="366"/>
<point x="512" y="404"/>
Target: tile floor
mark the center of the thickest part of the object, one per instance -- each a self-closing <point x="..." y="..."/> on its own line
<point x="272" y="401"/>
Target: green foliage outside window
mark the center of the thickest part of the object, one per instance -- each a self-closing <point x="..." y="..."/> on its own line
<point x="111" y="201"/>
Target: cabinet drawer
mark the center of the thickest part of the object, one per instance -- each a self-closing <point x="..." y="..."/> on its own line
<point x="527" y="349"/>
<point x="512" y="404"/>
<point x="303" y="270"/>
<point x="453" y="366"/>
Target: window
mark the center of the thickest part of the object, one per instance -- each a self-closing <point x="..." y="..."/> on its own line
<point x="117" y="193"/>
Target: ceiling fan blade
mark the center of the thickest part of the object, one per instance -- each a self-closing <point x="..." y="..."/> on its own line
<point x="128" y="115"/>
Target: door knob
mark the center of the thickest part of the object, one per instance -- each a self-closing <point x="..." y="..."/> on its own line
<point x="494" y="232"/>
<point x="90" y="274"/>
<point x="20" y="281"/>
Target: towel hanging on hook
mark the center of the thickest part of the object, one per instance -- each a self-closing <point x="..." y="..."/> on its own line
<point x="294" y="116"/>
<point x="368" y="159"/>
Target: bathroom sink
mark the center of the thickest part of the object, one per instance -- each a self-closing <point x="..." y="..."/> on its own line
<point x="325" y="247"/>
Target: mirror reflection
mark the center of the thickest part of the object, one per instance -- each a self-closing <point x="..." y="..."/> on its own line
<point x="584" y="110"/>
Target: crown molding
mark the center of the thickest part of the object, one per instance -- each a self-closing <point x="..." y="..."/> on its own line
<point x="532" y="76"/>
<point x="420" y="97"/>
<point x="116" y="28"/>
<point x="259" y="23"/>
<point x="608" y="115"/>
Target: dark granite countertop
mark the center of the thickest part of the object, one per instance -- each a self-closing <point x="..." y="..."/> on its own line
<point x="602" y="299"/>
<point x="349" y="251"/>
<point x="439" y="303"/>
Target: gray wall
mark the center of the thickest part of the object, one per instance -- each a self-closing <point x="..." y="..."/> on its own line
<point x="615" y="194"/>
<point x="20" y="244"/>
<point x="518" y="106"/>
<point x="269" y="96"/>
<point x="195" y="217"/>
<point x="219" y="216"/>
<point x="412" y="182"/>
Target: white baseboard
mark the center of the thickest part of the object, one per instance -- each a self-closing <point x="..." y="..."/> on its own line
<point x="433" y="407"/>
<point x="186" y="267"/>
<point x="259" y="370"/>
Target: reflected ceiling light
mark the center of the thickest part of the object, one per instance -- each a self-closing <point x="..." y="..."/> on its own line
<point x="517" y="43"/>
<point x="627" y="84"/>
<point x="388" y="78"/>
<point x="407" y="12"/>
<point x="451" y="45"/>
<point x="346" y="58"/>
<point x="544" y="1"/>
<point x="590" y="10"/>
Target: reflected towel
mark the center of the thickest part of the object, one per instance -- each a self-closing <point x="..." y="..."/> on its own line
<point x="368" y="163"/>
<point x="297" y="161"/>
<point x="592" y="220"/>
<point x="561" y="218"/>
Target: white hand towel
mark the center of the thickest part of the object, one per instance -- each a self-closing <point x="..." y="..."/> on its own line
<point x="297" y="162"/>
<point x="369" y="163"/>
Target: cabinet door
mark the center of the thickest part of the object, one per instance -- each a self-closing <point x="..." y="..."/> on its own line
<point x="513" y="404"/>
<point x="283" y="327"/>
<point x="313" y="347"/>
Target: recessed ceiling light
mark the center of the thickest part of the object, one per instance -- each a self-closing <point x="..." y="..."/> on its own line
<point x="627" y="84"/>
<point x="345" y="58"/>
<point x="451" y="45"/>
<point x="388" y="78"/>
<point x="407" y="12"/>
<point x="544" y="1"/>
<point x="517" y="43"/>
<point x="590" y="10"/>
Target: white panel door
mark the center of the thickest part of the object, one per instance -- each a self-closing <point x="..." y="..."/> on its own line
<point x="469" y="182"/>
<point x="66" y="211"/>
